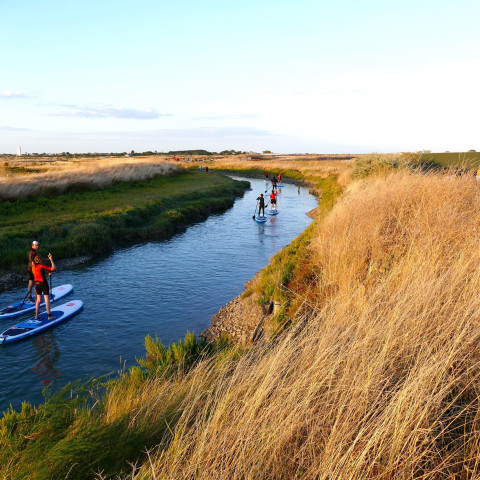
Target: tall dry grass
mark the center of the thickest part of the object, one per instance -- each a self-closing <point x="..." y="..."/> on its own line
<point x="60" y="177"/>
<point x="380" y="376"/>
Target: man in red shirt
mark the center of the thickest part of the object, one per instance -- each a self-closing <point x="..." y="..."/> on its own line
<point x="41" y="284"/>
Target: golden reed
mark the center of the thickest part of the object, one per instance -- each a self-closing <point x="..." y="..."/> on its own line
<point x="380" y="376"/>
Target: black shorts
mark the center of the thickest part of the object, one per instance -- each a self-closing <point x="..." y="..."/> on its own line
<point x="273" y="201"/>
<point x="41" y="287"/>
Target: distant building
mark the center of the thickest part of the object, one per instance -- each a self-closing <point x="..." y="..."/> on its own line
<point x="19" y="151"/>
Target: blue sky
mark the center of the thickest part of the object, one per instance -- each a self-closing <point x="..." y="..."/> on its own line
<point x="288" y="76"/>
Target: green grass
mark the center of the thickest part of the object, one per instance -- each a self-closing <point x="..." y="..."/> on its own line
<point x="92" y="222"/>
<point x="467" y="160"/>
<point x="258" y="173"/>
<point x="381" y="163"/>
<point x="329" y="189"/>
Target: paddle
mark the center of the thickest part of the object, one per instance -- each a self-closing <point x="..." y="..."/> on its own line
<point x="255" y="210"/>
<point x="51" y="294"/>
<point x="259" y="211"/>
<point x="28" y="293"/>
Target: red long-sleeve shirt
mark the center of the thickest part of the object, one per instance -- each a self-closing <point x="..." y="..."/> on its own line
<point x="37" y="271"/>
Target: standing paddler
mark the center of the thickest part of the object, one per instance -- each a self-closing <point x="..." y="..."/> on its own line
<point x="41" y="285"/>
<point x="31" y="256"/>
<point x="273" y="200"/>
<point x="261" y="204"/>
<point x="274" y="183"/>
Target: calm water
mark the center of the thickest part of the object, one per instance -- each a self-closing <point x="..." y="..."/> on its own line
<point x="159" y="288"/>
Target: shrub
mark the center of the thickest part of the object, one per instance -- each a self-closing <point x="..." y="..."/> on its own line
<point x="159" y="359"/>
<point x="378" y="163"/>
<point x="91" y="238"/>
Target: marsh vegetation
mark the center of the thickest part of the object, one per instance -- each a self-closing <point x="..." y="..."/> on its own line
<point x="90" y="207"/>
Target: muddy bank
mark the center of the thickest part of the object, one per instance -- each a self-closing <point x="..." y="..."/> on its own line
<point x="241" y="319"/>
<point x="14" y="279"/>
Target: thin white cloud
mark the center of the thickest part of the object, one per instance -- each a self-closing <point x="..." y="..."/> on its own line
<point x="312" y="92"/>
<point x="14" y="94"/>
<point x="246" y="116"/>
<point x="5" y="128"/>
<point x="105" y="111"/>
<point x="195" y="133"/>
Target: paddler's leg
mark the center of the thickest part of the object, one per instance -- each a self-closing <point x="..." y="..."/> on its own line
<point x="31" y="288"/>
<point x="46" y="295"/>
<point x="47" y="306"/>
<point x="38" y="300"/>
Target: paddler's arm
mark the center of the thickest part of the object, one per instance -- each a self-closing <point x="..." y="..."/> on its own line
<point x="51" y="261"/>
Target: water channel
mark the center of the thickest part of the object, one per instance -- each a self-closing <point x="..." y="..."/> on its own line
<point x="158" y="288"/>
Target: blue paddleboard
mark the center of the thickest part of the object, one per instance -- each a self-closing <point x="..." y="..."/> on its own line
<point x="273" y="212"/>
<point x="31" y="326"/>
<point x="261" y="219"/>
<point x="19" y="308"/>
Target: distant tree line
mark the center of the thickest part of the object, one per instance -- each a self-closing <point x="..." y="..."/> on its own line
<point x="190" y="152"/>
<point x="132" y="153"/>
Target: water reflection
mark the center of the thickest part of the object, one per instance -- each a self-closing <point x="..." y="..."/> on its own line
<point x="173" y="286"/>
<point x="47" y="353"/>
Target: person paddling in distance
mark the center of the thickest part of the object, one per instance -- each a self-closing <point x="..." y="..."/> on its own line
<point x="274" y="183"/>
<point x="31" y="256"/>
<point x="41" y="284"/>
<point x="261" y="204"/>
<point x="273" y="201"/>
<point x="279" y="177"/>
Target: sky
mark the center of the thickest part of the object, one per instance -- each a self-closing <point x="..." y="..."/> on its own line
<point x="297" y="76"/>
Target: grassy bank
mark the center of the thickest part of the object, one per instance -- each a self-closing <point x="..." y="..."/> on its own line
<point x="94" y="220"/>
<point x="376" y="378"/>
<point x="380" y="377"/>
<point x="285" y="278"/>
